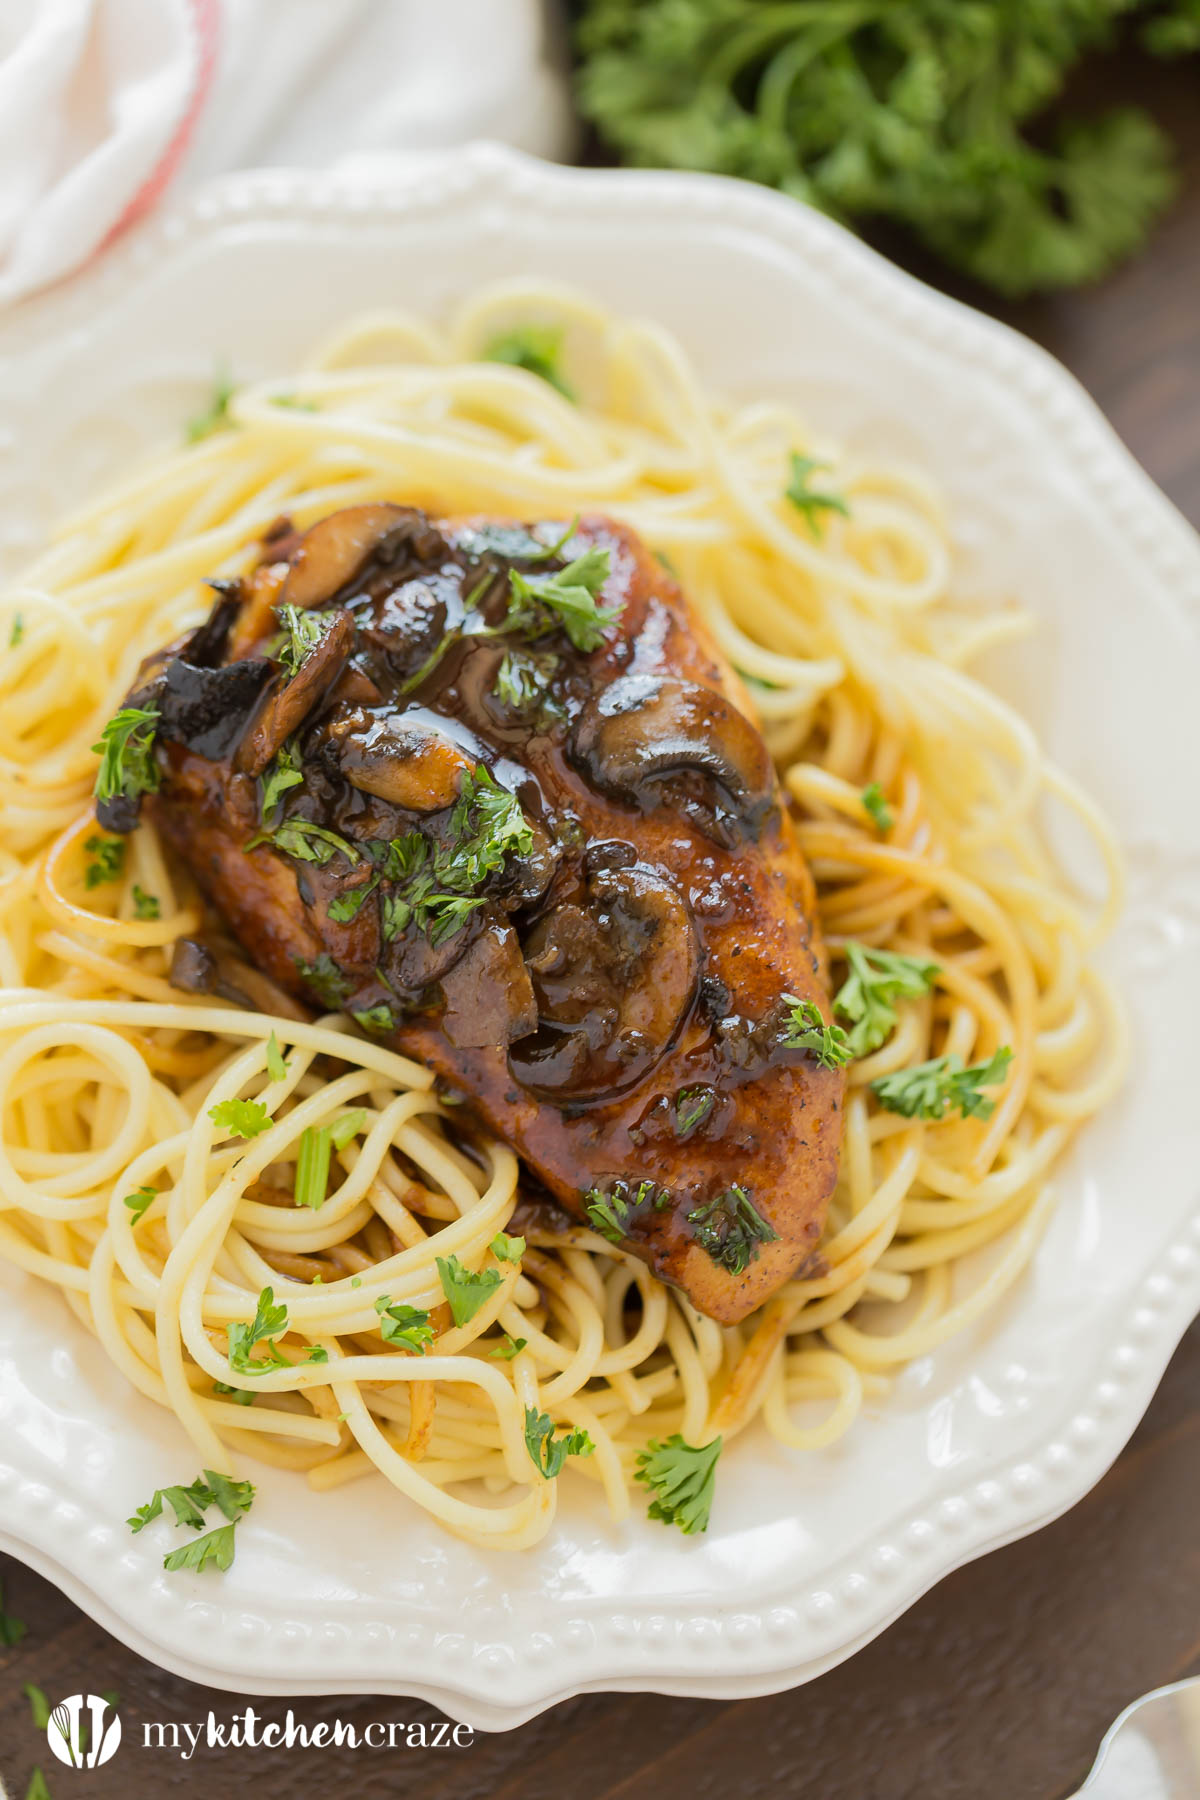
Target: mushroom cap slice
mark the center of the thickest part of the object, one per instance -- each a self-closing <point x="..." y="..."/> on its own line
<point x="614" y="980"/>
<point x="650" y="740"/>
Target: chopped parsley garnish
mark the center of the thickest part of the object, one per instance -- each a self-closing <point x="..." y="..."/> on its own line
<point x="487" y="825"/>
<point x="730" y="1228"/>
<point x="537" y="348"/>
<point x="810" y="502"/>
<point x="509" y="1347"/>
<point x="681" y="1478"/>
<point x="145" y="906"/>
<point x="807" y="1030"/>
<point x="306" y="842"/>
<point x="875" y="801"/>
<point x="240" y="1118"/>
<point x="877" y="979"/>
<point x="107" y="860"/>
<point x="276" y="1067"/>
<point x="438" y="890"/>
<point x="11" y="1630"/>
<point x="282" y="774"/>
<point x="611" y="1212"/>
<point x="216" y="416"/>
<point x="239" y="1396"/>
<point x="268" y="1323"/>
<point x="507" y="1249"/>
<point x="548" y="1453"/>
<point x="189" y="1504"/>
<point x="214" y="1547"/>
<point x="126" y="752"/>
<point x="930" y="1090"/>
<point x="326" y="980"/>
<point x="568" y="598"/>
<point x="523" y="683"/>
<point x="378" y="1020"/>
<point x="140" y="1203"/>
<point x="348" y="904"/>
<point x="692" y="1107"/>
<point x="16" y="631"/>
<point x="407" y="1325"/>
<point x="465" y="1289"/>
<point x="302" y="632"/>
<point x="316" y="1353"/>
<point x="312" y="1167"/>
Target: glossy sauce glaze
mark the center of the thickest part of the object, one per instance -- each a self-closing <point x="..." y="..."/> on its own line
<point x="605" y="976"/>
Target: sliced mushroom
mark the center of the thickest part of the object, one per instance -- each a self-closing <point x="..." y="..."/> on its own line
<point x="647" y="739"/>
<point x="401" y="759"/>
<point x="287" y="704"/>
<point x="488" y="993"/>
<point x="614" y="981"/>
<point x="332" y="552"/>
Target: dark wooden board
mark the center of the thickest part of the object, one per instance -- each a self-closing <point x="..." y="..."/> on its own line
<point x="1000" y="1683"/>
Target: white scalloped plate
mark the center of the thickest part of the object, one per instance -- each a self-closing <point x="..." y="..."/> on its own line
<point x="808" y="1556"/>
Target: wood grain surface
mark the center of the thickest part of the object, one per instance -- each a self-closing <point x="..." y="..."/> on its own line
<point x="1000" y="1683"/>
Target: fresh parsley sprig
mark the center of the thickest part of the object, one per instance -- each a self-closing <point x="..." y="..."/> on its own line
<point x="548" y="1453"/>
<point x="465" y="1289"/>
<point x="807" y="1030"/>
<point x="932" y="1089"/>
<point x="140" y="1203"/>
<point x="570" y="598"/>
<point x="401" y="1324"/>
<point x="868" y="996"/>
<point x="919" y="114"/>
<point x="190" y="1504"/>
<point x="126" y="752"/>
<point x="681" y="1477"/>
<point x="269" y="1322"/>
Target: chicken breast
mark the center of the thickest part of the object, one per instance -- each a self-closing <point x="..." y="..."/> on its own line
<point x="492" y="789"/>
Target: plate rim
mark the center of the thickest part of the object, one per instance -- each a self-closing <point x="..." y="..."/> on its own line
<point x="1024" y="1490"/>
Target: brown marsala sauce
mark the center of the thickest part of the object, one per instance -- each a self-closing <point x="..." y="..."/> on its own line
<point x="616" y="1009"/>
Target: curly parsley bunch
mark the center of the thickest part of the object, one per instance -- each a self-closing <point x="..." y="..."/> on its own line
<point x="914" y="111"/>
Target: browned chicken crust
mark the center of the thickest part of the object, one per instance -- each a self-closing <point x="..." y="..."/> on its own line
<point x="613" y="995"/>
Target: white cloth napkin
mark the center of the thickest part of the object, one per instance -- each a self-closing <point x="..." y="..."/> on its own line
<point x="106" y="105"/>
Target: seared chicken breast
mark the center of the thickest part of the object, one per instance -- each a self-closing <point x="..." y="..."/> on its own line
<point x="490" y="788"/>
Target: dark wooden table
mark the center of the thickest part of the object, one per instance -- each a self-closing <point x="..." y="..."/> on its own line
<point x="997" y="1686"/>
